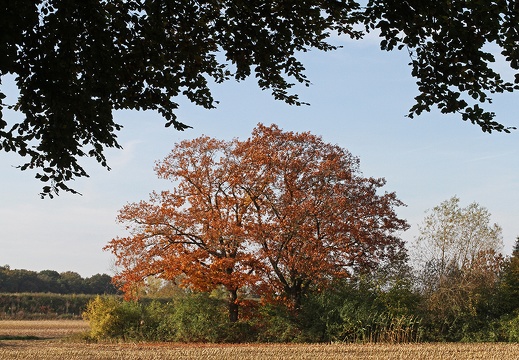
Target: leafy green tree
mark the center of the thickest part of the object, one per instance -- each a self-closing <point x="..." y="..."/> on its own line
<point x="50" y="278"/>
<point x="75" y="61"/>
<point x="71" y="282"/>
<point x="510" y="282"/>
<point x="99" y="284"/>
<point x="50" y="281"/>
<point x="21" y="280"/>
<point x="447" y="41"/>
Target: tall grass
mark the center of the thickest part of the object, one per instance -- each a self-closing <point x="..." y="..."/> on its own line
<point x="382" y="328"/>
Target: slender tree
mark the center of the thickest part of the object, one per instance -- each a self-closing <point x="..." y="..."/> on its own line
<point x="452" y="237"/>
<point x="459" y="264"/>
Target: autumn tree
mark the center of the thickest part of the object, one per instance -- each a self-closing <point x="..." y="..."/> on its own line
<point x="282" y="212"/>
<point x="76" y="61"/>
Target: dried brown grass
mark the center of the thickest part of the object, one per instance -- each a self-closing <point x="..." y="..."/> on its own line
<point x="58" y="348"/>
<point x="67" y="350"/>
<point x="44" y="329"/>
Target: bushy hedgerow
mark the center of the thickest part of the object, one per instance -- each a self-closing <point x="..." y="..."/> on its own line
<point x="344" y="313"/>
<point x="198" y="318"/>
<point x="42" y="306"/>
<point x="188" y="318"/>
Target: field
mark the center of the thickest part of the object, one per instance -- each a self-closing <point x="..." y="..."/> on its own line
<point x="55" y="340"/>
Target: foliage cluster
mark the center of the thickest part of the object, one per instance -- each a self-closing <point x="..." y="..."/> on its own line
<point x="187" y="318"/>
<point x="343" y="315"/>
<point x="77" y="61"/>
<point x="42" y="306"/>
<point x="351" y="311"/>
<point x="50" y="281"/>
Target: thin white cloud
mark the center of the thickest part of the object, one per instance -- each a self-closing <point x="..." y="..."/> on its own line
<point x="120" y="158"/>
<point x="493" y="156"/>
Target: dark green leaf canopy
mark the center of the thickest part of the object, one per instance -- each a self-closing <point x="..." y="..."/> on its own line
<point x="449" y="45"/>
<point x="75" y="61"/>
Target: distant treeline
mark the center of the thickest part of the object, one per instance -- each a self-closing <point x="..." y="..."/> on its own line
<point x="50" y="281"/>
<point x="43" y="306"/>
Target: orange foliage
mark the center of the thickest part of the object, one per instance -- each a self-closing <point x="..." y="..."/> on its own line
<point x="280" y="211"/>
<point x="315" y="217"/>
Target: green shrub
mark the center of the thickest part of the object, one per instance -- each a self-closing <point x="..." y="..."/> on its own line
<point x="345" y="314"/>
<point x="157" y="322"/>
<point x="510" y="328"/>
<point x="194" y="317"/>
<point x="198" y="317"/>
<point x="276" y="323"/>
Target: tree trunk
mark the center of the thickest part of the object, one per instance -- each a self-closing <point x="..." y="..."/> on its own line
<point x="295" y="293"/>
<point x="233" y="305"/>
<point x="297" y="297"/>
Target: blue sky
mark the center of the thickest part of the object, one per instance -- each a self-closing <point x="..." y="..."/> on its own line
<point x="359" y="99"/>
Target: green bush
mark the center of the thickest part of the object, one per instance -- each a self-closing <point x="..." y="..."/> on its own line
<point x="157" y="322"/>
<point x="510" y="328"/>
<point x="189" y="318"/>
<point x="359" y="312"/>
<point x="276" y="323"/>
<point x="347" y="312"/>
<point x="199" y="318"/>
